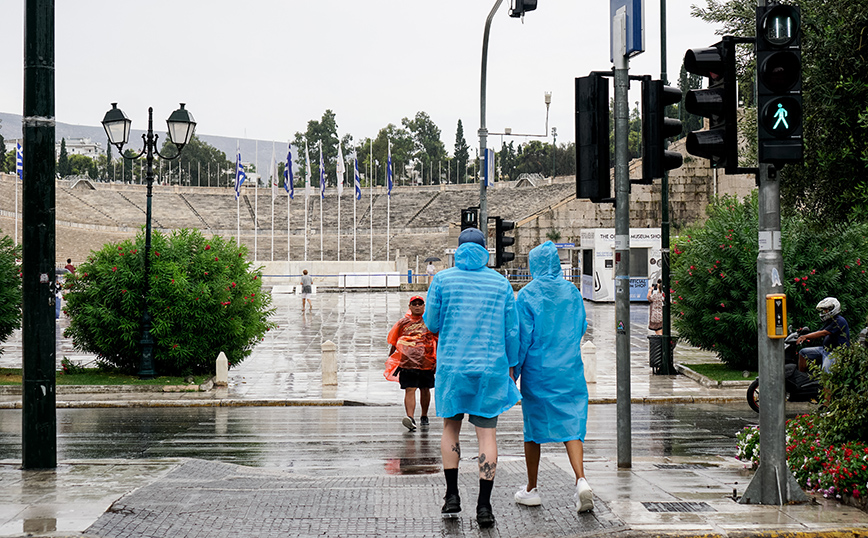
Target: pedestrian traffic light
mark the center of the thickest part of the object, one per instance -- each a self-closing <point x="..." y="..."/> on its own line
<point x="718" y="103"/>
<point x="502" y="241"/>
<point x="469" y="218"/>
<point x="521" y="6"/>
<point x="656" y="128"/>
<point x="592" y="136"/>
<point x="779" y="84"/>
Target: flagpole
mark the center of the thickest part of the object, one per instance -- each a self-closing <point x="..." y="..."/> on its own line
<point x="306" y="194"/>
<point x="388" y="197"/>
<point x="289" y="188"/>
<point x="256" y="205"/>
<point x="371" y="189"/>
<point x="356" y="194"/>
<point x="321" y="199"/>
<point x="237" y="193"/>
<point x="273" y="193"/>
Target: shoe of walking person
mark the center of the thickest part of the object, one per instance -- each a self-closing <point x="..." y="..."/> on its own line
<point x="584" y="496"/>
<point x="423" y="421"/>
<point x="451" y="505"/>
<point x="484" y="516"/>
<point x="409" y="423"/>
<point x="528" y="498"/>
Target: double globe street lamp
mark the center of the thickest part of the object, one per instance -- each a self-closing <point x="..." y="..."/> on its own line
<point x="117" y="127"/>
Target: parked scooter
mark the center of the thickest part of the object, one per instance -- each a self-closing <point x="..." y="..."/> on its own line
<point x="799" y="386"/>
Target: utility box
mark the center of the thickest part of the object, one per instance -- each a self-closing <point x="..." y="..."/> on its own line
<point x="598" y="263"/>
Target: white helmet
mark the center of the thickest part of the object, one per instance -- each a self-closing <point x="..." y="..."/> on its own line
<point x="828" y="308"/>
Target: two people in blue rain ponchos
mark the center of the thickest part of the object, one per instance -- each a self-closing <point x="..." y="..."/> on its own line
<point x="554" y="392"/>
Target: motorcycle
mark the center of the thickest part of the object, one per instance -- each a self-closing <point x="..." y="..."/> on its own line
<point x="799" y="386"/>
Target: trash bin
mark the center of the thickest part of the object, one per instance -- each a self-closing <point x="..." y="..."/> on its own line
<point x="655" y="354"/>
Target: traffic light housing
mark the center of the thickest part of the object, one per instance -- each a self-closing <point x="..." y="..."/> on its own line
<point x="656" y="128"/>
<point x="521" y="6"/>
<point x="592" y="138"/>
<point x="719" y="143"/>
<point x="502" y="241"/>
<point x="779" y="84"/>
<point x="469" y="218"/>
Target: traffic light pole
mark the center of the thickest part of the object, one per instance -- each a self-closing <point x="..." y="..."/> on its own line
<point x="483" y="130"/>
<point x="622" y="260"/>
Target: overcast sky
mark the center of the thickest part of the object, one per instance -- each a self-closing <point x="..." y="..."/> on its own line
<point x="264" y="68"/>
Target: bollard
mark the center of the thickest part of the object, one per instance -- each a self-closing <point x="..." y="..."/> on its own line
<point x="329" y="363"/>
<point x="222" y="377"/>
<point x="589" y="358"/>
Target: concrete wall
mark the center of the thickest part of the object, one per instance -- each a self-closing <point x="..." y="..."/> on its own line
<point x="326" y="273"/>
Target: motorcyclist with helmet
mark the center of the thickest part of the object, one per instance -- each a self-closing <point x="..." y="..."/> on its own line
<point x="835" y="332"/>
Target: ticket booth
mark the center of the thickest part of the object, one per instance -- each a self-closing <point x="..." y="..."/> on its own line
<point x="598" y="263"/>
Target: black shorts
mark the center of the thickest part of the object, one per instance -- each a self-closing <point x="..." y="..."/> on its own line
<point x="411" y="378"/>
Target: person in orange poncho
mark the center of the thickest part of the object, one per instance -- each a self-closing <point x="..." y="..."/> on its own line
<point x="412" y="360"/>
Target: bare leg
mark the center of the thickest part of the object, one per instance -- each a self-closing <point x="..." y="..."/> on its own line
<point x="531" y="458"/>
<point x="487" y="438"/>
<point x="576" y="453"/>
<point x="450" y="451"/>
<point x="410" y="401"/>
<point x="425" y="400"/>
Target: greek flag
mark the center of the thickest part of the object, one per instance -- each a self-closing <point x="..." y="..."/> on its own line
<point x="307" y="171"/>
<point x="389" y="169"/>
<point x="321" y="174"/>
<point x="240" y="176"/>
<point x="340" y="170"/>
<point x="489" y="167"/>
<point x="288" y="180"/>
<point x="19" y="162"/>
<point x="356" y="179"/>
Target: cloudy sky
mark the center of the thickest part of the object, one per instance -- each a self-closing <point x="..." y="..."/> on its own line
<point x="264" y="68"/>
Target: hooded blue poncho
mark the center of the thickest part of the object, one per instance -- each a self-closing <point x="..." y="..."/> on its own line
<point x="553" y="388"/>
<point x="473" y="309"/>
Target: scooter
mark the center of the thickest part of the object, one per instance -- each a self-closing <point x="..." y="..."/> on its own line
<point x="799" y="386"/>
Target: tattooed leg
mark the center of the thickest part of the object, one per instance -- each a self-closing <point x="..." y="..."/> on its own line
<point x="486" y="468"/>
<point x="487" y="452"/>
<point x="450" y="449"/>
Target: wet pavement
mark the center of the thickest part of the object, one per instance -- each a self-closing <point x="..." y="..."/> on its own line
<point x="277" y="454"/>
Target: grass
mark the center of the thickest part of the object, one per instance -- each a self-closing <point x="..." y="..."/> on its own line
<point x="721" y="372"/>
<point x="93" y="376"/>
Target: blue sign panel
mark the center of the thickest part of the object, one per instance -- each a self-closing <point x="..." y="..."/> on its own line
<point x="635" y="10"/>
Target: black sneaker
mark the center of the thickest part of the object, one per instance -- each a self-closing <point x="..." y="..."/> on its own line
<point x="484" y="516"/>
<point x="452" y="506"/>
<point x="423" y="421"/>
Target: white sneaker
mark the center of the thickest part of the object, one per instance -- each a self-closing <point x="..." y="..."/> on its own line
<point x="528" y="498"/>
<point x="409" y="423"/>
<point x="584" y="496"/>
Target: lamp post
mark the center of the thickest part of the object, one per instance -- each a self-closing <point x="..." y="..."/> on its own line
<point x="181" y="127"/>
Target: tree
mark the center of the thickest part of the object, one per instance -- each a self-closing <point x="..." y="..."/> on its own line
<point x="831" y="184"/>
<point x="634" y="133"/>
<point x="3" y="153"/>
<point x="204" y="298"/>
<point x="402" y="149"/>
<point x="82" y="165"/>
<point x="194" y="160"/>
<point x="63" y="168"/>
<point x="508" y="159"/>
<point x="10" y="288"/>
<point x="326" y="131"/>
<point x="427" y="146"/>
<point x="686" y="82"/>
<point x="461" y="154"/>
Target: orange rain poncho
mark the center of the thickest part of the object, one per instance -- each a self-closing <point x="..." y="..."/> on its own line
<point x="415" y="346"/>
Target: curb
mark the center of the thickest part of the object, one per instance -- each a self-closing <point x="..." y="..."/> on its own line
<point x="708" y="382"/>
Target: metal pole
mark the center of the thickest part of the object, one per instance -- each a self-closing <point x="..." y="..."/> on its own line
<point x="664" y="224"/>
<point x="39" y="418"/>
<point x="483" y="131"/>
<point x="622" y="260"/>
<point x="146" y="368"/>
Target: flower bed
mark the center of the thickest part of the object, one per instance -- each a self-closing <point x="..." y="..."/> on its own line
<point x="836" y="472"/>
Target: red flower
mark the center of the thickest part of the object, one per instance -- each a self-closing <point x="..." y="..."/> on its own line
<point x="206" y="273"/>
<point x="233" y="284"/>
<point x="115" y="268"/>
<point x="156" y="253"/>
<point x="797" y="279"/>
<point x="716" y="318"/>
<point x="207" y="247"/>
<point x="123" y="291"/>
<point x="215" y="259"/>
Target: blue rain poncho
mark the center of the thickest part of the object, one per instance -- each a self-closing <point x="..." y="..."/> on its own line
<point x="552" y="317"/>
<point x="473" y="309"/>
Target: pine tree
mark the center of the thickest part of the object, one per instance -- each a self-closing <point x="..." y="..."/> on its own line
<point x="462" y="154"/>
<point x="63" y="168"/>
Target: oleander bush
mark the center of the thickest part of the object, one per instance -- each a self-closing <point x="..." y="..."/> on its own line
<point x="205" y="298"/>
<point x="714" y="288"/>
<point x="10" y="288"/>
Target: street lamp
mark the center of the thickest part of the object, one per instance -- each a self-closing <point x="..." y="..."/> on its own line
<point x="181" y="127"/>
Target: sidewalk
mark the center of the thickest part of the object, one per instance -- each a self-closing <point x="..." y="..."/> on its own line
<point x="662" y="494"/>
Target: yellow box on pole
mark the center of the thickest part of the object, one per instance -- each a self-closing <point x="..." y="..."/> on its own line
<point x="776" y="315"/>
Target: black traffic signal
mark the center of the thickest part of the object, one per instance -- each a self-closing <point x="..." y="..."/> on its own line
<point x="656" y="128"/>
<point x="469" y="218"/>
<point x="521" y="6"/>
<point x="502" y="241"/>
<point x="718" y="103"/>
<point x="592" y="136"/>
<point x="779" y="84"/>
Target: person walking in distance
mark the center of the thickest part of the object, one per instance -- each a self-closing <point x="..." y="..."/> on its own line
<point x="472" y="308"/>
<point x="412" y="360"/>
<point x="554" y="401"/>
<point x="655" y="313"/>
<point x="306" y="290"/>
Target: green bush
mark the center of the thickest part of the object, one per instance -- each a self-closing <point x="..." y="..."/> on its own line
<point x="10" y="288"/>
<point x="204" y="299"/>
<point x="714" y="290"/>
<point x="846" y="385"/>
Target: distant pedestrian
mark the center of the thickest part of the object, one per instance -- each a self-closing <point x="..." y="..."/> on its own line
<point x="472" y="308"/>
<point x="412" y="360"/>
<point x="69" y="267"/>
<point x="655" y="314"/>
<point x="554" y="401"/>
<point x="306" y="290"/>
<point x="431" y="270"/>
